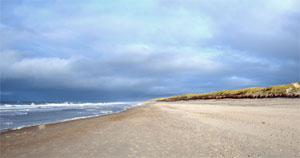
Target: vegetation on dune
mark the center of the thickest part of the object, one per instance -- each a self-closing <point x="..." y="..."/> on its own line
<point x="288" y="90"/>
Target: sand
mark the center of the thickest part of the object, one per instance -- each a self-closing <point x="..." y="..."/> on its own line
<point x="201" y="128"/>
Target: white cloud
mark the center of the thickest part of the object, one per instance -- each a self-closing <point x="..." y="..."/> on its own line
<point x="13" y="66"/>
<point x="128" y="70"/>
<point x="241" y="81"/>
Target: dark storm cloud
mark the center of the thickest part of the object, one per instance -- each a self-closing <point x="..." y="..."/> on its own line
<point x="142" y="49"/>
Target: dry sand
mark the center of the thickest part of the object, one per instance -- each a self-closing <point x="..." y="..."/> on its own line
<point x="203" y="128"/>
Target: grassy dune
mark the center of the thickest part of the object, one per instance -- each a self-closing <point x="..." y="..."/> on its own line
<point x="289" y="90"/>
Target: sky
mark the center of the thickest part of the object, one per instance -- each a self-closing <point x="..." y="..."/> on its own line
<point x="126" y="50"/>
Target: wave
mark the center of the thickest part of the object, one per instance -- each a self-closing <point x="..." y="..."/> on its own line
<point x="102" y="112"/>
<point x="60" y="105"/>
<point x="12" y="113"/>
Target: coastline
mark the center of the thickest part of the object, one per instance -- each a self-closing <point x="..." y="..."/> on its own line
<point x="202" y="128"/>
<point x="67" y="120"/>
<point x="71" y="119"/>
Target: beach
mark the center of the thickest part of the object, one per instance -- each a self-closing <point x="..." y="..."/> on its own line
<point x="198" y="128"/>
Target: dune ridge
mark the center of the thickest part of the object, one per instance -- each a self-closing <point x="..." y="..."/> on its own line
<point x="285" y="91"/>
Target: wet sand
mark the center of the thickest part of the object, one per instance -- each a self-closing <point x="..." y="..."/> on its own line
<point x="200" y="128"/>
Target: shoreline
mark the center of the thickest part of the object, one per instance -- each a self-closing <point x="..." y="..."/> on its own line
<point x="67" y="120"/>
<point x="199" y="128"/>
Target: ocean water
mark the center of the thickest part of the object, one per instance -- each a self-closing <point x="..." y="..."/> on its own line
<point x="14" y="115"/>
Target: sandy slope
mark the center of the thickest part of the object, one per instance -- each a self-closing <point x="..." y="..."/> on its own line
<point x="203" y="128"/>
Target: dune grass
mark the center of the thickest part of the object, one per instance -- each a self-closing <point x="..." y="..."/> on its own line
<point x="288" y="90"/>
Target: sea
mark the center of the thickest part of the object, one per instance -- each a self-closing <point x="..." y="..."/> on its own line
<point x="16" y="115"/>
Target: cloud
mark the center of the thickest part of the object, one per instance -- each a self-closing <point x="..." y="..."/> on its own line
<point x="146" y="48"/>
<point x="241" y="81"/>
<point x="128" y="70"/>
<point x="5" y="93"/>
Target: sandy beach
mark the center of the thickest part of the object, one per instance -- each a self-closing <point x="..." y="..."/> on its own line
<point x="199" y="128"/>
